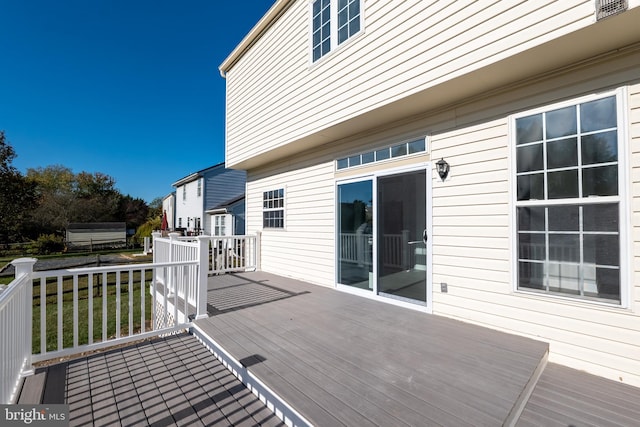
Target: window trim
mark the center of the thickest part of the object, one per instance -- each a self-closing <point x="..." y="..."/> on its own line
<point x="622" y="199"/>
<point x="283" y="208"/>
<point x="333" y="22"/>
<point x="388" y="148"/>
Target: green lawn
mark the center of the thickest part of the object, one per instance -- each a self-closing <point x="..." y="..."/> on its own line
<point x="99" y="298"/>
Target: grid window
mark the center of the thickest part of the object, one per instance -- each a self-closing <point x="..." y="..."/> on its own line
<point x="568" y="206"/>
<point x="399" y="150"/>
<point x="333" y="22"/>
<point x="199" y="187"/>
<point x="273" y="209"/>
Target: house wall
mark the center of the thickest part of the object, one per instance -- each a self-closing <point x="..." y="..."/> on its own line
<point x="473" y="232"/>
<point x="169" y="206"/>
<point x="191" y="206"/>
<point x="411" y="56"/>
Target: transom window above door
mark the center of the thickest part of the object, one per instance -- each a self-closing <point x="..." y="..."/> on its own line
<point x="391" y="152"/>
<point x="568" y="213"/>
<point x="333" y="22"/>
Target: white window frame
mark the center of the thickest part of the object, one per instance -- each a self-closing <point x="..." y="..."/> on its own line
<point x="184" y="193"/>
<point x="222" y="225"/>
<point x="266" y="198"/>
<point x="333" y="23"/>
<point x="622" y="200"/>
<point x="199" y="190"/>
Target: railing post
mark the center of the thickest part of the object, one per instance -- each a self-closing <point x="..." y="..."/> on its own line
<point x="171" y="280"/>
<point x="201" y="283"/>
<point x="155" y="235"/>
<point x="24" y="266"/>
<point x="257" y="249"/>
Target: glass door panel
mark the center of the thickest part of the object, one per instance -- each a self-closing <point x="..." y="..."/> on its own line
<point x="355" y="237"/>
<point x="401" y="236"/>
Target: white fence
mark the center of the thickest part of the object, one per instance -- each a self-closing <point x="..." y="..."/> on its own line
<point x="50" y="314"/>
<point x="223" y="254"/>
<point x="15" y="332"/>
<point x="397" y="252"/>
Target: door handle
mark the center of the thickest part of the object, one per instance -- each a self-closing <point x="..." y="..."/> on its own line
<point x="425" y="236"/>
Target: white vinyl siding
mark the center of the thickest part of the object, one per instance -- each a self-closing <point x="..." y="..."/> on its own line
<point x="305" y="247"/>
<point x="407" y="48"/>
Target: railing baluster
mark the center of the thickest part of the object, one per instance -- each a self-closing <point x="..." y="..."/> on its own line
<point x="104" y="307"/>
<point x="43" y="315"/>
<point x="117" y="304"/>
<point x="60" y="308"/>
<point x="143" y="274"/>
<point x="75" y="310"/>
<point x="130" y="302"/>
<point x="90" y="308"/>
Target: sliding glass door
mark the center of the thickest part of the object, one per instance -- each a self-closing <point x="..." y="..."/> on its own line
<point x="382" y="235"/>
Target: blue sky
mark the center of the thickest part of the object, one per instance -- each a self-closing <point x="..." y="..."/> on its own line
<point x="129" y="88"/>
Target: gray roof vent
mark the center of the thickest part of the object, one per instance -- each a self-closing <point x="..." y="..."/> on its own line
<point x="606" y="8"/>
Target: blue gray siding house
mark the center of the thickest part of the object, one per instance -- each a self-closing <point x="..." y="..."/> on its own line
<point x="203" y="199"/>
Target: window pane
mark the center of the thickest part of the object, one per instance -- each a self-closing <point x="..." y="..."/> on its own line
<point x="564" y="278"/>
<point x="529" y="158"/>
<point x="343" y="163"/>
<point x="343" y="34"/>
<point x="531" y="219"/>
<point x="599" y="114"/>
<point x="343" y="19"/>
<point x="399" y="150"/>
<point x="529" y="129"/>
<point x="354" y="160"/>
<point x="531" y="275"/>
<point x="562" y="153"/>
<point x="600" y="148"/>
<point x="416" y="146"/>
<point x="564" y="247"/>
<point x="564" y="218"/>
<point x="608" y="283"/>
<point x="563" y="184"/>
<point x="354" y="8"/>
<point x="531" y="187"/>
<point x="561" y="122"/>
<point x="368" y="157"/>
<point x="601" y="217"/>
<point x="601" y="181"/>
<point x="354" y="26"/>
<point x="382" y="154"/>
<point x="342" y="4"/>
<point x="602" y="249"/>
<point x="532" y="246"/>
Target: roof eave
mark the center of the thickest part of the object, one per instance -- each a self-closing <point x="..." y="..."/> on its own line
<point x="272" y="15"/>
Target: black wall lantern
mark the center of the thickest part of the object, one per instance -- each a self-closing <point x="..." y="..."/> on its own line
<point x="443" y="168"/>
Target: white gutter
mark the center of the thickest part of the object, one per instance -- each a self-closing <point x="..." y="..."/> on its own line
<point x="272" y="15"/>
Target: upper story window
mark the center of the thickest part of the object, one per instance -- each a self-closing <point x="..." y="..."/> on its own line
<point x="199" y="187"/>
<point x="273" y="208"/>
<point x="184" y="192"/>
<point x="568" y="204"/>
<point x="333" y="22"/>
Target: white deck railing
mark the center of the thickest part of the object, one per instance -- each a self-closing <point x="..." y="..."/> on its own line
<point x="15" y="332"/>
<point x="57" y="313"/>
<point x="225" y="253"/>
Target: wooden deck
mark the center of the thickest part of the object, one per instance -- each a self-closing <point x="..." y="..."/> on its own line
<point x="339" y="359"/>
<point x="334" y="359"/>
<point x="165" y="382"/>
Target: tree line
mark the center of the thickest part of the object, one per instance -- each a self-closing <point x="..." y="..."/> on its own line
<point x="46" y="200"/>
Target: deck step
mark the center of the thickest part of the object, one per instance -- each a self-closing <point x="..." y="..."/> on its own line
<point x="33" y="388"/>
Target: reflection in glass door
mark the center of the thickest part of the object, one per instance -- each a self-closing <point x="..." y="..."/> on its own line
<point x="355" y="238"/>
<point x="402" y="236"/>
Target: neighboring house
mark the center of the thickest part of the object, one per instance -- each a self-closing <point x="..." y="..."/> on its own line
<point x="96" y="234"/>
<point x="340" y="112"/>
<point x="228" y="218"/>
<point x="169" y="209"/>
<point x="199" y="195"/>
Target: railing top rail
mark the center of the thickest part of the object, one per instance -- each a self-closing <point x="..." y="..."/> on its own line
<point x="109" y="268"/>
<point x="12" y="289"/>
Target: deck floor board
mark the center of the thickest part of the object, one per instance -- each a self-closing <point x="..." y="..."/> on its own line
<point x="367" y="362"/>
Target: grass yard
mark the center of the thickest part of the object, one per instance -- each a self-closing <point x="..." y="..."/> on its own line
<point x="103" y="295"/>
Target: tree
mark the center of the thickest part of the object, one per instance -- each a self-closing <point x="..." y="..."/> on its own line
<point x="133" y="211"/>
<point x="17" y="195"/>
<point x="155" y="208"/>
